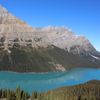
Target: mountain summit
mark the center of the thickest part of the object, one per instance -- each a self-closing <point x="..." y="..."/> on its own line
<point x="4" y="12"/>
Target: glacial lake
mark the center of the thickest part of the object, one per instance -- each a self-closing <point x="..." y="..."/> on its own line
<point x="46" y="81"/>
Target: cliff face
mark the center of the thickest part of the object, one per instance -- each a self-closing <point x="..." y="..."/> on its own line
<point x="15" y="31"/>
<point x="65" y="38"/>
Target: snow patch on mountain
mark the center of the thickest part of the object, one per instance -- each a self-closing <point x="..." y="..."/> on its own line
<point x="95" y="57"/>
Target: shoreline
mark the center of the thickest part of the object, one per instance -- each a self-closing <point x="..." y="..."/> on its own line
<point x="43" y="72"/>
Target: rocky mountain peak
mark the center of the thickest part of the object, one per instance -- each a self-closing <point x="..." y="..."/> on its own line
<point x="63" y="28"/>
<point x="4" y="12"/>
<point x="58" y="29"/>
<point x="48" y="28"/>
<point x="14" y="30"/>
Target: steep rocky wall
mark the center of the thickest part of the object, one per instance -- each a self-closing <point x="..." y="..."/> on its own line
<point x="14" y="30"/>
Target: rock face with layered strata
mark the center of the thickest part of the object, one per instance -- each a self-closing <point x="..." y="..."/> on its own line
<point x="65" y="38"/>
<point x="15" y="31"/>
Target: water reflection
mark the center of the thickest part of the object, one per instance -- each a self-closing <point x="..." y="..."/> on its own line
<point x="46" y="81"/>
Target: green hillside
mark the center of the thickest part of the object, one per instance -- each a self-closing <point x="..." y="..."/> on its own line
<point x="86" y="91"/>
<point x="50" y="59"/>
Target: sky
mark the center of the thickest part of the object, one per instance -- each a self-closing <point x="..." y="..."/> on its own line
<point x="81" y="16"/>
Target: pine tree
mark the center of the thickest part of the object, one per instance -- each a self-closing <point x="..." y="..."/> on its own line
<point x="39" y="96"/>
<point x="25" y="95"/>
<point x="22" y="94"/>
<point x="33" y="95"/>
<point x="0" y="93"/>
<point x="4" y="93"/>
<point x="18" y="93"/>
<point x="8" y="95"/>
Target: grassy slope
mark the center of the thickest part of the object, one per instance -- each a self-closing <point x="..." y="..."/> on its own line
<point x="27" y="59"/>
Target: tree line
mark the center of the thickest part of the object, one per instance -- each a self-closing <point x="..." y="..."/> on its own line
<point x="86" y="91"/>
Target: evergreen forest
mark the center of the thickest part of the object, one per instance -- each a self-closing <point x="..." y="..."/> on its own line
<point x="86" y="91"/>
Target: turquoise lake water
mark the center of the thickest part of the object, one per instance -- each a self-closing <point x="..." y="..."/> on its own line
<point x="46" y="81"/>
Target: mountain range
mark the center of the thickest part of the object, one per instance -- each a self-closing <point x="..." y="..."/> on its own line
<point x="27" y="49"/>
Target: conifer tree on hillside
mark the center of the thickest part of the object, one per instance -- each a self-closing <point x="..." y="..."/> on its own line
<point x="8" y="95"/>
<point x="18" y="93"/>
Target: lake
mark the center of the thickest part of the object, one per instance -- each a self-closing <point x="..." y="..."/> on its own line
<point x="46" y="81"/>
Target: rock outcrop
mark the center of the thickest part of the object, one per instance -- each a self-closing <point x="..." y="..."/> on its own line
<point x="15" y="30"/>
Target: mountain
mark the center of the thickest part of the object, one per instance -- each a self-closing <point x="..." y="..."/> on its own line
<point x="65" y="38"/>
<point x="12" y="30"/>
<point x="27" y="49"/>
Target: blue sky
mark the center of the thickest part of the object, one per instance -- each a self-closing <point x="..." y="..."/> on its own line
<point x="81" y="16"/>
